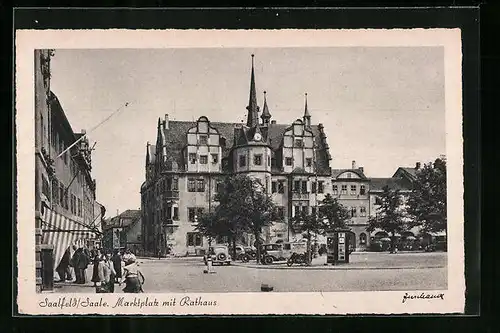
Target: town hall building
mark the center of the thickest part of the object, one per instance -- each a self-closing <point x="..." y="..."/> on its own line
<point x="185" y="165"/>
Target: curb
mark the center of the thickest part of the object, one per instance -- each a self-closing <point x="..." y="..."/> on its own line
<point x="333" y="268"/>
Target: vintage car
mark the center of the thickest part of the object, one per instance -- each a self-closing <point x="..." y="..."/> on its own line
<point x="281" y="251"/>
<point x="219" y="255"/>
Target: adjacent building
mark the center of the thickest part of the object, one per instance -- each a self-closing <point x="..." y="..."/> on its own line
<point x="123" y="231"/>
<point x="66" y="210"/>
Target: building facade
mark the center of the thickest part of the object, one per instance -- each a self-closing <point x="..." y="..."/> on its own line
<point x="292" y="161"/>
<point x="123" y="231"/>
<point x="189" y="159"/>
<point x="65" y="192"/>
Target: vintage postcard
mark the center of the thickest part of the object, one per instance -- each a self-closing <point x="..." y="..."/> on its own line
<point x="239" y="172"/>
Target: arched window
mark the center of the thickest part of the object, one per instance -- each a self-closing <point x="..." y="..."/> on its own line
<point x="362" y="238"/>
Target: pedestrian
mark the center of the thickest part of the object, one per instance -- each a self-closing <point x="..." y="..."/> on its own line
<point x="95" y="271"/>
<point x="80" y="261"/>
<point x="116" y="259"/>
<point x="109" y="273"/>
<point x="159" y="253"/>
<point x="133" y="277"/>
<point x="63" y="267"/>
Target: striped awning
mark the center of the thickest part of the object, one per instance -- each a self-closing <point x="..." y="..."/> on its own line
<point x="61" y="232"/>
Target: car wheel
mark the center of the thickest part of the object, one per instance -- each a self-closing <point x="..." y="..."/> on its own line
<point x="268" y="260"/>
<point x="245" y="258"/>
<point x="221" y="257"/>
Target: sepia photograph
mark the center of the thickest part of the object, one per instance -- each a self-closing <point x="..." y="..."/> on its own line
<point x="187" y="174"/>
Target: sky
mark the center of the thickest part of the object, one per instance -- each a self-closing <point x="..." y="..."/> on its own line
<point x="381" y="106"/>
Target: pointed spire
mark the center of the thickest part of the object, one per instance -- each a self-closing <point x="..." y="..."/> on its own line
<point x="253" y="108"/>
<point x="307" y="115"/>
<point x="266" y="115"/>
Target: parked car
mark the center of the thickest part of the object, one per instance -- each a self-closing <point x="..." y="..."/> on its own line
<point x="281" y="251"/>
<point x="219" y="254"/>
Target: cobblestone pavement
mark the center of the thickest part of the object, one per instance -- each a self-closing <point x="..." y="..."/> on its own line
<point x="186" y="275"/>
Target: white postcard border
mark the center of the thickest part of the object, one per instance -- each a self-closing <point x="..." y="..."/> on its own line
<point x="380" y="302"/>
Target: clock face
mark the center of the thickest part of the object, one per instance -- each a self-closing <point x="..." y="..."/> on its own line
<point x="257" y="137"/>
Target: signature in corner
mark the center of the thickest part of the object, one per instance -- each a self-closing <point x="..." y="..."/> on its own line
<point x="407" y="296"/>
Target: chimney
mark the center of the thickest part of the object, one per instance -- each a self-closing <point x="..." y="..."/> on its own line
<point x="353" y="165"/>
<point x="273" y="122"/>
<point x="165" y="122"/>
<point x="84" y="131"/>
<point x="362" y="169"/>
<point x="417" y="165"/>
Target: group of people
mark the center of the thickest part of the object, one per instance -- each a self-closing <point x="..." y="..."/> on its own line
<point x="107" y="269"/>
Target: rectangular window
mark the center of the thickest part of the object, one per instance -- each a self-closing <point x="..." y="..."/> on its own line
<point x="309" y="162"/>
<point x="344" y="189"/>
<point x="313" y="187"/>
<point x="45" y="187"/>
<point x="257" y="159"/>
<point x="55" y="191"/>
<point x="168" y="212"/>
<point x="299" y="143"/>
<point x="190" y="239"/>
<point x="353" y="189"/>
<point x="191" y="185"/>
<point x="304" y="186"/>
<point x="66" y="199"/>
<point x="200" y="185"/>
<point x="305" y="209"/>
<point x="42" y="130"/>
<point x="296" y="210"/>
<point x="192" y="158"/>
<point x="218" y="187"/>
<point x="353" y="211"/>
<point x="335" y="189"/>
<point x="288" y="161"/>
<point x="362" y="211"/>
<point x="168" y="184"/>
<point x="274" y="187"/>
<point x="281" y="186"/>
<point x="191" y="214"/>
<point x="313" y="210"/>
<point x="321" y="187"/>
<point x="198" y="240"/>
<point x="362" y="189"/>
<point x="61" y="194"/>
<point x="215" y="158"/>
<point x="175" y="215"/>
<point x="296" y="185"/>
<point x="242" y="161"/>
<point x="269" y="160"/>
<point x="203" y="159"/>
<point x="280" y="212"/>
<point x="203" y="140"/>
<point x="79" y="207"/>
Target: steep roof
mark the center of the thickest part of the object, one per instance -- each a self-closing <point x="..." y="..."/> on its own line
<point x="377" y="184"/>
<point x="176" y="139"/>
<point x="409" y="172"/>
<point x="123" y="220"/>
<point x="338" y="172"/>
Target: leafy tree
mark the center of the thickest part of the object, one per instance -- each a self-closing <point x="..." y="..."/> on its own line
<point x="333" y="214"/>
<point x="427" y="202"/>
<point x="390" y="215"/>
<point x="244" y="206"/>
<point x="309" y="225"/>
<point x="210" y="225"/>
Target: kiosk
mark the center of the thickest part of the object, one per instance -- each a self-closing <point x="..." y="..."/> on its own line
<point x="337" y="245"/>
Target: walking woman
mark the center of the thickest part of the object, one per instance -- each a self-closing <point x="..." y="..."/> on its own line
<point x="133" y="277"/>
<point x="95" y="271"/>
<point x="117" y="265"/>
